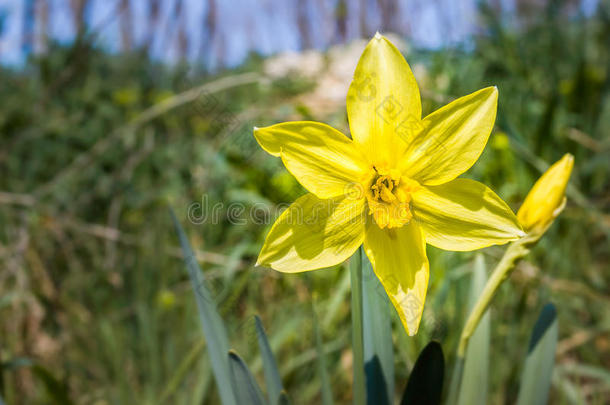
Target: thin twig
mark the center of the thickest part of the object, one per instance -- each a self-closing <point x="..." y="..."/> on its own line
<point x="586" y="140"/>
<point x="86" y="158"/>
<point x="113" y="234"/>
<point x="23" y="200"/>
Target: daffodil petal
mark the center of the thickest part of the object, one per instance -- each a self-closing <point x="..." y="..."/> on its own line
<point x="382" y="96"/>
<point x="313" y="234"/>
<point x="398" y="256"/>
<point x="452" y="138"/>
<point x="322" y="159"/>
<point x="464" y="215"/>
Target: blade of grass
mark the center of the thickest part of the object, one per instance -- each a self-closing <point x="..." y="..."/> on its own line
<point x="538" y="370"/>
<point x="425" y="384"/>
<point x="272" y="374"/>
<point x="327" y="395"/>
<point x="473" y="390"/>
<point x="200" y="390"/>
<point x="337" y="300"/>
<point x="586" y="371"/>
<point x="245" y="387"/>
<point x="355" y="268"/>
<point x="377" y="338"/>
<point x="572" y="393"/>
<point x="211" y="322"/>
<point x="308" y="356"/>
<point x="183" y="368"/>
<point x="281" y="337"/>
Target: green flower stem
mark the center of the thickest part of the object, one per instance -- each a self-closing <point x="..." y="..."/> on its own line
<point x="515" y="252"/>
<point x="355" y="267"/>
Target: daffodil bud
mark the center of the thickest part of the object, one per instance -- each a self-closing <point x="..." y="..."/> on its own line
<point x="546" y="199"/>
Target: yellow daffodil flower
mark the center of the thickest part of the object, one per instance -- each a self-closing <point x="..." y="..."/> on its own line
<point x="393" y="186"/>
<point x="546" y="199"/>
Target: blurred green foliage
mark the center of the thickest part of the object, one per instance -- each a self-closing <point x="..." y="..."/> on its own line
<point x="92" y="286"/>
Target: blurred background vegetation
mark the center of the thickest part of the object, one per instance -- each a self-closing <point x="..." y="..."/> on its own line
<point x="95" y="304"/>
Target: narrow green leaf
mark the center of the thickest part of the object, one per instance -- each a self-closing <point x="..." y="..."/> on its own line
<point x="355" y="268"/>
<point x="327" y="395"/>
<point x="473" y="390"/>
<point x="211" y="322"/>
<point x="377" y="338"/>
<point x="538" y="369"/>
<point x="456" y="379"/>
<point x="272" y="374"/>
<point x="585" y="371"/>
<point x="425" y="384"/>
<point x="245" y="387"/>
<point x="571" y="391"/>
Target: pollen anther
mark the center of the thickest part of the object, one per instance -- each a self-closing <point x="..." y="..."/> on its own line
<point x="389" y="197"/>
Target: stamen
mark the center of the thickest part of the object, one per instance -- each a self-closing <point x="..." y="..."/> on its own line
<point x="389" y="198"/>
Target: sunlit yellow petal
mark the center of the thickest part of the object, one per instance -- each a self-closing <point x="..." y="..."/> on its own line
<point x="313" y="234"/>
<point x="547" y="198"/>
<point x="321" y="158"/>
<point x="464" y="215"/>
<point x="382" y="96"/>
<point x="452" y="139"/>
<point x="399" y="259"/>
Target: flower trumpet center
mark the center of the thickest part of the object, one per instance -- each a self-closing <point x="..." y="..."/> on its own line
<point x="389" y="197"/>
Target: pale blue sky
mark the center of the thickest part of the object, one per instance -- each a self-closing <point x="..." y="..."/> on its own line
<point x="265" y="26"/>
